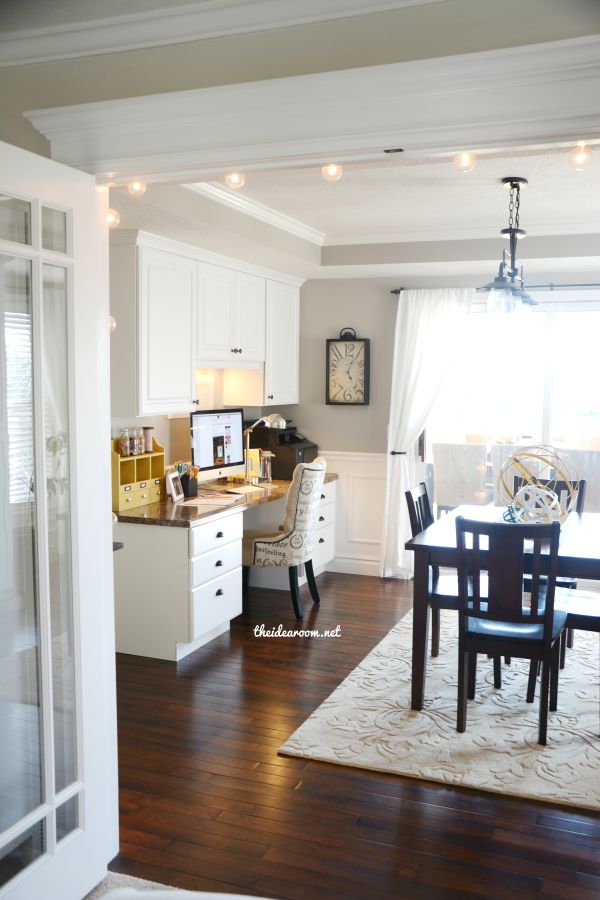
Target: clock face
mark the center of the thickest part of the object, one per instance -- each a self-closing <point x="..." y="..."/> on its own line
<point x="347" y="372"/>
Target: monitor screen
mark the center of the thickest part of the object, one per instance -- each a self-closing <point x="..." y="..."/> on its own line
<point x="217" y="438"/>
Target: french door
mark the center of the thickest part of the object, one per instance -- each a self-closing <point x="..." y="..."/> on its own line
<point x="58" y="786"/>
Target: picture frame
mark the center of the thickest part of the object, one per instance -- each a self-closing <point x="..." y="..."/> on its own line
<point x="174" y="486"/>
<point x="347" y="369"/>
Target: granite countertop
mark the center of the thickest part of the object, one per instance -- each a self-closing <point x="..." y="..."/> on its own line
<point x="186" y="515"/>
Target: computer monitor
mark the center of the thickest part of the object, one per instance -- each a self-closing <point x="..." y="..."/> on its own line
<point x="217" y="439"/>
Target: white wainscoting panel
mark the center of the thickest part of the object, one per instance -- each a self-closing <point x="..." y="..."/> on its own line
<point x="360" y="505"/>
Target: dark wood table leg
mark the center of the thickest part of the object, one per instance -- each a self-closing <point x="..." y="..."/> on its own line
<point x="420" y="629"/>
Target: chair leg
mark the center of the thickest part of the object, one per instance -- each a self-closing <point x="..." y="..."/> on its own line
<point x="554" y="677"/>
<point x="472" y="676"/>
<point x="435" y="631"/>
<point x="507" y="660"/>
<point x="245" y="581"/>
<point x="570" y="638"/>
<point x="544" y="690"/>
<point x="461" y="711"/>
<point x="295" y="591"/>
<point x="563" y="648"/>
<point x="312" y="584"/>
<point x="497" y="672"/>
<point x="532" y="680"/>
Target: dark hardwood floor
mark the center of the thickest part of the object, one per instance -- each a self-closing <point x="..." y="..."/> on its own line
<point x="206" y="803"/>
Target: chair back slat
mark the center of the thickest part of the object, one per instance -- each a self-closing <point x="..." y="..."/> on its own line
<point x="560" y="488"/>
<point x="502" y="548"/>
<point x="419" y="508"/>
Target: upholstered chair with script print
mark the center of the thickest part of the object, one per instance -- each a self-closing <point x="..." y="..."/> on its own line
<point x="294" y="544"/>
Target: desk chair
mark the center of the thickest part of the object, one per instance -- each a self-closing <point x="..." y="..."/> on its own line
<point x="294" y="543"/>
<point x="443" y="589"/>
<point x="561" y="489"/>
<point x="503" y="623"/>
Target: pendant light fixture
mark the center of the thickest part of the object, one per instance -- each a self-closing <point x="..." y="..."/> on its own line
<point x="506" y="293"/>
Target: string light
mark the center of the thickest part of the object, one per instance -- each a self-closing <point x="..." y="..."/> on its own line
<point x="332" y="172"/>
<point x="235" y="180"/>
<point x="465" y="161"/>
<point x="580" y="156"/>
<point x="113" y="218"/>
<point x="136" y="188"/>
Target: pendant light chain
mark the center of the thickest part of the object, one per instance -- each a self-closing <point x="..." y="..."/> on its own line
<point x="514" y="205"/>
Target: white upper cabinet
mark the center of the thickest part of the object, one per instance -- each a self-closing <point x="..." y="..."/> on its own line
<point x="230" y="316"/>
<point x="152" y="297"/>
<point x="282" y="350"/>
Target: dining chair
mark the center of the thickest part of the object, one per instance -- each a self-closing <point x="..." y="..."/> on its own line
<point x="443" y="589"/>
<point x="460" y="475"/>
<point x="561" y="489"/>
<point x="293" y="544"/>
<point x="504" y="621"/>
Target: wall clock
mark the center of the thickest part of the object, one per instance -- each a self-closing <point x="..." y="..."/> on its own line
<point x="347" y="370"/>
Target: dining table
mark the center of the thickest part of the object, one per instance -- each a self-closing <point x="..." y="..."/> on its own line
<point x="578" y="557"/>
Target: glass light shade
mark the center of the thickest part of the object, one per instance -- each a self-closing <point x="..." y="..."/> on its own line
<point x="502" y="302"/>
<point x="465" y="161"/>
<point x="112" y="323"/>
<point x="136" y="188"/>
<point x="235" y="180"/>
<point x="332" y="172"/>
<point x="113" y="218"/>
<point x="580" y="157"/>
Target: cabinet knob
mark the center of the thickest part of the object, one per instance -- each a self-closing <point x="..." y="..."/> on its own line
<point x="233" y="349"/>
<point x="321" y="540"/>
<point x="321" y="518"/>
<point x="322" y="496"/>
<point x="197" y="402"/>
<point x="239" y="350"/>
<point x="219" y="562"/>
<point x="269" y="396"/>
<point x="220" y="534"/>
<point x="219" y="592"/>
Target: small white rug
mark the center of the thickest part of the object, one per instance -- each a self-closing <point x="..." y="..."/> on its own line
<point x="367" y="722"/>
<point x="115" y="880"/>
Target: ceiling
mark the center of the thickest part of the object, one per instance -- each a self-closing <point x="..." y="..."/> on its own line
<point x="430" y="201"/>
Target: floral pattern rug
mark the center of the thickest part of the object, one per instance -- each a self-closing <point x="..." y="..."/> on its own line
<point x="367" y="722"/>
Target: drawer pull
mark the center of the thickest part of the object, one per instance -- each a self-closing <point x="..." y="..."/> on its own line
<point x="322" y="496"/>
<point x="219" y="592"/>
<point x="321" y="518"/>
<point x="219" y="562"/>
<point x="143" y="484"/>
<point x="220" y="534"/>
<point x="321" y="540"/>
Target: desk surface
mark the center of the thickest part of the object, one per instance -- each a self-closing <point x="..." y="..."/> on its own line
<point x="186" y="515"/>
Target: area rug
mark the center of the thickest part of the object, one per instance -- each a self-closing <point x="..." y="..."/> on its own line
<point x="367" y="722"/>
<point x="115" y="880"/>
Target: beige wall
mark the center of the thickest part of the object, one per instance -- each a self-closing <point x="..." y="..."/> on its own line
<point x="419" y="32"/>
<point x="325" y="308"/>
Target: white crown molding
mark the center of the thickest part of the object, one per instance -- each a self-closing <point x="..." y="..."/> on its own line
<point x="258" y="211"/>
<point x="536" y="96"/>
<point x="180" y="24"/>
<point x="128" y="237"/>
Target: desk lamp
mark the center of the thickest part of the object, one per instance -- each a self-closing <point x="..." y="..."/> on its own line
<point x="272" y="421"/>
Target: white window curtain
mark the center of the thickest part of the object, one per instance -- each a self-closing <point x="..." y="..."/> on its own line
<point x="429" y="334"/>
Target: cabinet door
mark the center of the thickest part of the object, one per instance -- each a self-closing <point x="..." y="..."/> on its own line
<point x="282" y="350"/>
<point x="250" y="318"/>
<point x="166" y="305"/>
<point x="215" y="314"/>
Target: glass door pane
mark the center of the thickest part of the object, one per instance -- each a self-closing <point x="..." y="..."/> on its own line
<point x="58" y="503"/>
<point x="15" y="220"/>
<point x="21" y="770"/>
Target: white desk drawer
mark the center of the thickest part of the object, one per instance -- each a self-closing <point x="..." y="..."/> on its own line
<point x="325" y="546"/>
<point x="216" y="602"/>
<point x="214" y="534"/>
<point x="326" y="515"/>
<point x="216" y="563"/>
<point x="328" y="492"/>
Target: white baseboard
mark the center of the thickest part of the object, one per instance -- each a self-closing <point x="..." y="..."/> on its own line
<point x="353" y="566"/>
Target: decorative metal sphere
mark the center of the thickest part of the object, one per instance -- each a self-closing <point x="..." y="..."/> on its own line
<point x="539" y="469"/>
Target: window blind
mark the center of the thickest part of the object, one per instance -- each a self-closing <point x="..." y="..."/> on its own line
<point x="19" y="404"/>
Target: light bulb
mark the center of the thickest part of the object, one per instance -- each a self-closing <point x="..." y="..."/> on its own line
<point x="465" y="161"/>
<point x="112" y="323"/>
<point x="580" y="156"/>
<point x="235" y="180"/>
<point x="332" y="172"/>
<point x="136" y="188"/>
<point x="112" y="218"/>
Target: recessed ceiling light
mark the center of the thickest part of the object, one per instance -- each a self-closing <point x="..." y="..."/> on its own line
<point x="332" y="172"/>
<point x="465" y="161"/>
<point x="235" y="180"/>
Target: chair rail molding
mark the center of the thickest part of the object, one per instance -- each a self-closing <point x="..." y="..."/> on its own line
<point x="202" y="20"/>
<point x="438" y="105"/>
<point x="360" y="507"/>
